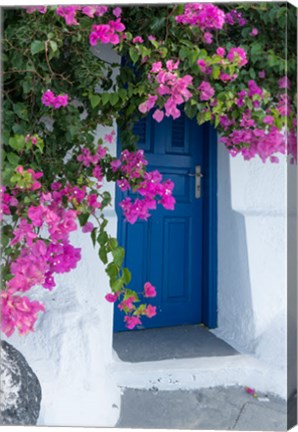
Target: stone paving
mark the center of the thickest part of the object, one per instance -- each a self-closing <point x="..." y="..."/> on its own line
<point x="218" y="408"/>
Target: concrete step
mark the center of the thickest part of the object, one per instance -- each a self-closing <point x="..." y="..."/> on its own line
<point x="220" y="408"/>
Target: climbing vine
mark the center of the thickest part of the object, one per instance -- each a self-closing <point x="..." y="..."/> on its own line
<point x="233" y="65"/>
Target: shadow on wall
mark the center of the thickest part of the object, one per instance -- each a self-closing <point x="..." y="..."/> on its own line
<point x="235" y="308"/>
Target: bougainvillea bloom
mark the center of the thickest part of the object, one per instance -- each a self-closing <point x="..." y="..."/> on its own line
<point x="149" y="290"/>
<point x="203" y="15"/>
<point x="132" y="321"/>
<point x="237" y="55"/>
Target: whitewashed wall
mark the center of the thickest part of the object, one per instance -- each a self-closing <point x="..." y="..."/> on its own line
<point x="252" y="257"/>
<point x="72" y="346"/>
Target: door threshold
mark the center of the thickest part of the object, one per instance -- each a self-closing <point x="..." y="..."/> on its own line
<point x="166" y="343"/>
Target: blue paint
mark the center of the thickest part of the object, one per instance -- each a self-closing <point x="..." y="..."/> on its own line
<point x="176" y="250"/>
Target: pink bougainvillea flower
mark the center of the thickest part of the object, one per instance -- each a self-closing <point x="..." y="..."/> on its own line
<point x="148" y="104"/>
<point x="254" y="32"/>
<point x="109" y="137"/>
<point x="262" y="74"/>
<point x="18" y="312"/>
<point x="68" y="13"/>
<point x="206" y="91"/>
<point x="251" y="391"/>
<point x="202" y="65"/>
<point x="60" y="101"/>
<point x="48" y="98"/>
<point x="156" y="67"/>
<point x="40" y="9"/>
<point x="115" y="164"/>
<point x="171" y="65"/>
<point x="89" y="11"/>
<point x="151" y="38"/>
<point x="268" y="119"/>
<point x="37" y="214"/>
<point x="101" y="10"/>
<point x="132" y="321"/>
<point x="284" y="82"/>
<point x="149" y="290"/>
<point x="150" y="311"/>
<point x="274" y="159"/>
<point x="158" y="115"/>
<point x="138" y="39"/>
<point x="238" y="55"/>
<point x="208" y="37"/>
<point x="88" y="227"/>
<point x="220" y="51"/>
<point x="117" y="11"/>
<point x="111" y="298"/>
<point x="123" y="185"/>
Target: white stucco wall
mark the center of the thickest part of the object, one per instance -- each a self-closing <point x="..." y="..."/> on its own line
<point x="252" y="258"/>
<point x="71" y="347"/>
<point x="72" y="344"/>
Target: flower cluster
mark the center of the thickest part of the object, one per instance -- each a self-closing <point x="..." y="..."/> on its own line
<point x="204" y="15"/>
<point x="148" y="185"/>
<point x="128" y="305"/>
<point x="257" y="133"/>
<point x="235" y="17"/>
<point x="169" y="86"/>
<point x="40" y="9"/>
<point x="50" y="99"/>
<point x="69" y="12"/>
<point x="107" y="33"/>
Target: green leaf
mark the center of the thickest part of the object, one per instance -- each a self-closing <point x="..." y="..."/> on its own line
<point x="112" y="270"/>
<point x="53" y="46"/>
<point x="105" y="98"/>
<point x="94" y="100"/>
<point x="117" y="285"/>
<point x="37" y="46"/>
<point x="118" y="255"/>
<point x="126" y="275"/>
<point x="4" y="240"/>
<point x="13" y="159"/>
<point x="104" y="224"/>
<point x="256" y="48"/>
<point x="114" y="99"/>
<point x="134" y="55"/>
<point x="103" y="254"/>
<point x="122" y="93"/>
<point x="163" y="52"/>
<point x="93" y="236"/>
<point x="21" y="110"/>
<point x="215" y="72"/>
<point x="102" y="238"/>
<point x="17" y="142"/>
<point x="113" y="243"/>
<point x="83" y="218"/>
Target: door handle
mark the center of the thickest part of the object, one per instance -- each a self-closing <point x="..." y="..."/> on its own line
<point x="198" y="175"/>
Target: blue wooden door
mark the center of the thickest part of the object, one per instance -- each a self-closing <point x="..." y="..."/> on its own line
<point x="167" y="250"/>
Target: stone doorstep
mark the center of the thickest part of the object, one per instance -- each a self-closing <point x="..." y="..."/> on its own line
<point x="199" y="373"/>
<point x="219" y="408"/>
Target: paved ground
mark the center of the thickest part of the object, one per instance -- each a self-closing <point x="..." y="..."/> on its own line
<point x="216" y="408"/>
<point x="169" y="343"/>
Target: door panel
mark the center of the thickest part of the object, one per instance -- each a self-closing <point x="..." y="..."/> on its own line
<point x="167" y="250"/>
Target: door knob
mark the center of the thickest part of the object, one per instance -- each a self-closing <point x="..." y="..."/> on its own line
<point x="198" y="175"/>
